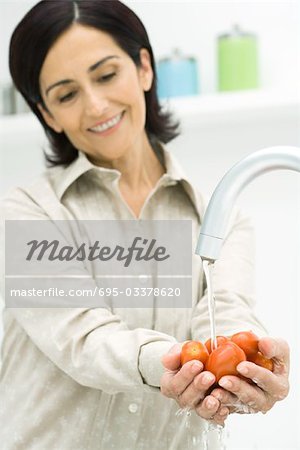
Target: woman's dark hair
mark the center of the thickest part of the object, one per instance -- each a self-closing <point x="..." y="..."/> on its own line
<point x="41" y="27"/>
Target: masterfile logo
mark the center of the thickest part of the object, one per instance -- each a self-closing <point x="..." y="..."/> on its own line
<point x="109" y="263"/>
<point x="139" y="251"/>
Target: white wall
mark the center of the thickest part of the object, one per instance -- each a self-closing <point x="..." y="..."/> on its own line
<point x="207" y="150"/>
<point x="193" y="27"/>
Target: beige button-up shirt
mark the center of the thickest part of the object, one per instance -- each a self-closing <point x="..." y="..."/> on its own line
<point x="88" y="379"/>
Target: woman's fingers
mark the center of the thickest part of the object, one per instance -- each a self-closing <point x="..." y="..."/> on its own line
<point x="221" y="415"/>
<point x="211" y="409"/>
<point x="267" y="387"/>
<point x="189" y="388"/>
<point x="225" y="398"/>
<point x="278" y="350"/>
<point x="208" y="407"/>
<point x="173" y="384"/>
<point x="276" y="386"/>
<point x="250" y="398"/>
<point x="171" y="360"/>
<point x="197" y="390"/>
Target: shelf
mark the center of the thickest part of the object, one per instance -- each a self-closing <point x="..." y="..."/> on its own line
<point x="237" y="106"/>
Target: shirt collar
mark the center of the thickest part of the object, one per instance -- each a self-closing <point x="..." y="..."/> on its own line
<point x="64" y="177"/>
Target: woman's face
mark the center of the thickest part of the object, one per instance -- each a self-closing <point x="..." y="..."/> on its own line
<point x="94" y="93"/>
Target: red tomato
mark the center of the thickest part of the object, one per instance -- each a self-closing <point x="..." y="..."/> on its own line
<point x="220" y="341"/>
<point x="224" y="359"/>
<point x="247" y="341"/>
<point x="193" y="350"/>
<point x="262" y="361"/>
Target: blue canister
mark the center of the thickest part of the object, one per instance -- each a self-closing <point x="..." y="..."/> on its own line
<point x="177" y="76"/>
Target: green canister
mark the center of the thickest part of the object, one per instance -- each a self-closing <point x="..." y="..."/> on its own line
<point x="237" y="61"/>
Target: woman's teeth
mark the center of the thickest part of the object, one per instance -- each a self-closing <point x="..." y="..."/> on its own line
<point x="109" y="124"/>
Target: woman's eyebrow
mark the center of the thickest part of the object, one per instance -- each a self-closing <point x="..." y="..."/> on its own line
<point x="102" y="61"/>
<point x="90" y="69"/>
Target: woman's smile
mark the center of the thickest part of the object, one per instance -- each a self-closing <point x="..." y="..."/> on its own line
<point x="105" y="128"/>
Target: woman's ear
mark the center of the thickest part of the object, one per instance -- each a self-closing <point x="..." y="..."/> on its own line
<point x="145" y="70"/>
<point x="49" y="119"/>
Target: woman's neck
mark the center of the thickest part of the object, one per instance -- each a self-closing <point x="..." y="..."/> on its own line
<point x="140" y="168"/>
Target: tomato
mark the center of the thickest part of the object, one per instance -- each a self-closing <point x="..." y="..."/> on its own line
<point x="193" y="350"/>
<point x="262" y="361"/>
<point x="224" y="359"/>
<point x="247" y="341"/>
<point x="229" y="353"/>
<point x="220" y="341"/>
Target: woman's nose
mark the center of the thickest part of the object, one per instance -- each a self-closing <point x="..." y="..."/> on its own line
<point x="95" y="103"/>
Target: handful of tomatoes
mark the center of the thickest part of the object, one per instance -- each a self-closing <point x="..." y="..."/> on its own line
<point x="230" y="351"/>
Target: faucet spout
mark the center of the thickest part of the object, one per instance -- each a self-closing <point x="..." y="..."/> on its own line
<point x="217" y="215"/>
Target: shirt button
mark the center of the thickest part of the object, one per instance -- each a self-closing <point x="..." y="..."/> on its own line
<point x="143" y="279"/>
<point x="133" y="407"/>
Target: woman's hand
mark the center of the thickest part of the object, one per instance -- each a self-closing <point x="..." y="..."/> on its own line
<point x="268" y="387"/>
<point x="188" y="385"/>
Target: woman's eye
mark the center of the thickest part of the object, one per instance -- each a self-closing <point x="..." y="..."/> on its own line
<point x="67" y="97"/>
<point x="102" y="79"/>
<point x="107" y="77"/>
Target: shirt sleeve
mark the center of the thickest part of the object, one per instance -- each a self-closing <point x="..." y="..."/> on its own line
<point x="93" y="346"/>
<point x="233" y="279"/>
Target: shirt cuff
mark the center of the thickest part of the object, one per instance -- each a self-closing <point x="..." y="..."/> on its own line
<point x="150" y="365"/>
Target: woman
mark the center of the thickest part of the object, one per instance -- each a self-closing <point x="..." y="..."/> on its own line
<point x="93" y="378"/>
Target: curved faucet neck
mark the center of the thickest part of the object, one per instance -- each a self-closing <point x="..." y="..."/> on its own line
<point x="215" y="222"/>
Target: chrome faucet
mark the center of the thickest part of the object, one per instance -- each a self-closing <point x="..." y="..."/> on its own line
<point x="217" y="214"/>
